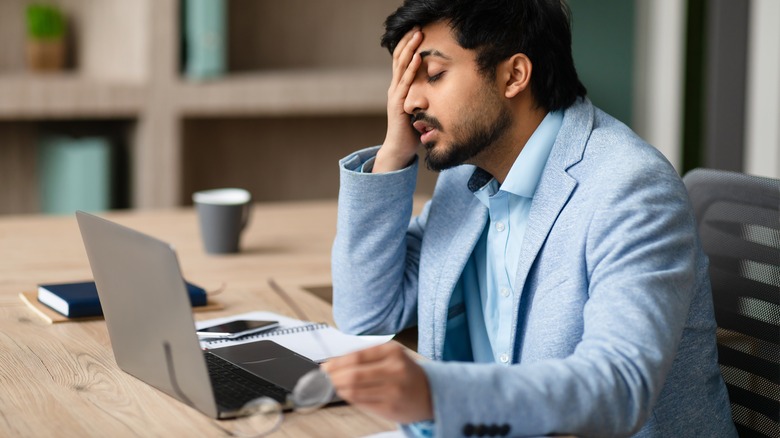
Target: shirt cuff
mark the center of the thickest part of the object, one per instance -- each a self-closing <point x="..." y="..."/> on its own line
<point x="354" y="162"/>
<point x="368" y="166"/>
<point x="422" y="429"/>
<point x="363" y="160"/>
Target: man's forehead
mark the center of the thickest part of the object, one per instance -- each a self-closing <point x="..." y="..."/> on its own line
<point x="438" y="41"/>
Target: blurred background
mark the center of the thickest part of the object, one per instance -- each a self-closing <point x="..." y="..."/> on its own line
<point x="108" y="104"/>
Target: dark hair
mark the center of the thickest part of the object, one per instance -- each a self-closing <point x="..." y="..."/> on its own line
<point x="498" y="29"/>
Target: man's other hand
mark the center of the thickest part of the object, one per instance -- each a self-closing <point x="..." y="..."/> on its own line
<point x="383" y="380"/>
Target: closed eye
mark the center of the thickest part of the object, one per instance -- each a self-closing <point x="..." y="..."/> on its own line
<point x="434" y="78"/>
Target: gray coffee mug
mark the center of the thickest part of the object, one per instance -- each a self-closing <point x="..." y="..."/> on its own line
<point x="223" y="215"/>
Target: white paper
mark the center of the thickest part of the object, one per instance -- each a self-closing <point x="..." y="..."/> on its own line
<point x="317" y="342"/>
<point x="389" y="434"/>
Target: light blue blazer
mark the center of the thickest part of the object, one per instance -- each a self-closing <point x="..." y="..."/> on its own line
<point x="614" y="333"/>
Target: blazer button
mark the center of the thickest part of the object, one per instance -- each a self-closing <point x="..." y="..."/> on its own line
<point x="480" y="430"/>
<point x="504" y="429"/>
<point x="468" y="429"/>
<point x="493" y="430"/>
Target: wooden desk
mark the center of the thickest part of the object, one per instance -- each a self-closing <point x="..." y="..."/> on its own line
<point x="61" y="379"/>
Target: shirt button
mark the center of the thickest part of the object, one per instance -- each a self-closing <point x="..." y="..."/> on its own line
<point x="504" y="358"/>
<point x="500" y="226"/>
<point x="504" y="292"/>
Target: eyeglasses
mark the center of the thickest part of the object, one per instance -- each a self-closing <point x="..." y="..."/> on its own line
<point x="262" y="416"/>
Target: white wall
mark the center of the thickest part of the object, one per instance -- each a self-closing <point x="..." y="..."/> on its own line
<point x="762" y="124"/>
<point x="659" y="75"/>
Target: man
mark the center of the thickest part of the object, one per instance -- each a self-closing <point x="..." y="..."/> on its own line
<point x="555" y="277"/>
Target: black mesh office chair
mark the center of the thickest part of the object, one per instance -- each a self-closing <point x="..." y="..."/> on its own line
<point x="739" y="222"/>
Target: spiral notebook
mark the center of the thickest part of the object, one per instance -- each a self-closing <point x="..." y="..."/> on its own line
<point x="298" y="336"/>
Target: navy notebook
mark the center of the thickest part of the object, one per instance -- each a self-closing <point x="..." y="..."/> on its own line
<point x="76" y="300"/>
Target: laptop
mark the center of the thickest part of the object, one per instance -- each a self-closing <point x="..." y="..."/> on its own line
<point x="149" y="319"/>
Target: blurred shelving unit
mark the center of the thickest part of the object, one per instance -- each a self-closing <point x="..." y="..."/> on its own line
<point x="305" y="84"/>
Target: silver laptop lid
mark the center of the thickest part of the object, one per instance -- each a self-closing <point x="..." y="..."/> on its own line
<point x="147" y="310"/>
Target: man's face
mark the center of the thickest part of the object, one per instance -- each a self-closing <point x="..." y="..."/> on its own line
<point x="458" y="112"/>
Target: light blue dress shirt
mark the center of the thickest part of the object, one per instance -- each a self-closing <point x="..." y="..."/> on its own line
<point x="488" y="306"/>
<point x="489" y="309"/>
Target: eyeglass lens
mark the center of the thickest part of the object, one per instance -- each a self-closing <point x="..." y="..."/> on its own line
<point x="312" y="391"/>
<point x="257" y="418"/>
<point x="262" y="416"/>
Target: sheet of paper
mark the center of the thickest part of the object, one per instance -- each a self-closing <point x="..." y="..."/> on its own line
<point x="389" y="434"/>
<point x="318" y="342"/>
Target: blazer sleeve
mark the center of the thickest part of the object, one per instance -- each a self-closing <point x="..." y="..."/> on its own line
<point x="640" y="274"/>
<point x="376" y="251"/>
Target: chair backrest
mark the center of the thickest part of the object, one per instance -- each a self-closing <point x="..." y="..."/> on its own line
<point x="739" y="223"/>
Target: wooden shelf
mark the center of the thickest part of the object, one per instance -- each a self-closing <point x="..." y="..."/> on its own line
<point x="281" y="93"/>
<point x="317" y="84"/>
<point x="24" y="96"/>
<point x="297" y="92"/>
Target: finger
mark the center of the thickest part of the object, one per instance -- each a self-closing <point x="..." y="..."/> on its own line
<point x="385" y="401"/>
<point x="405" y="82"/>
<point x="364" y="356"/>
<point x="405" y="56"/>
<point x="370" y="395"/>
<point x="350" y="392"/>
<point x="363" y="376"/>
<point x="404" y="41"/>
<point x="388" y="351"/>
<point x="391" y="373"/>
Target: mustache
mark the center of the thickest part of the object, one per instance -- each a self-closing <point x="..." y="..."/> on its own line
<point x="431" y="121"/>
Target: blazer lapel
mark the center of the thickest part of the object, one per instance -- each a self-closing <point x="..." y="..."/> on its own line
<point x="456" y="248"/>
<point x="555" y="187"/>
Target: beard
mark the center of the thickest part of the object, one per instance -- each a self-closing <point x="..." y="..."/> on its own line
<point x="476" y="132"/>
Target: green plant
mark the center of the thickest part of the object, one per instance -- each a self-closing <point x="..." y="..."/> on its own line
<point x="45" y="22"/>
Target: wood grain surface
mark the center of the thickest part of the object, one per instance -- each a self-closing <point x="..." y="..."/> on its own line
<point x="61" y="379"/>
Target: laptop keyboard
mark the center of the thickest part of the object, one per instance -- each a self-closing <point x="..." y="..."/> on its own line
<point x="234" y="386"/>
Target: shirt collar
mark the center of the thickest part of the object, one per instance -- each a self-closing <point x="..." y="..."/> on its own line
<point x="526" y="171"/>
